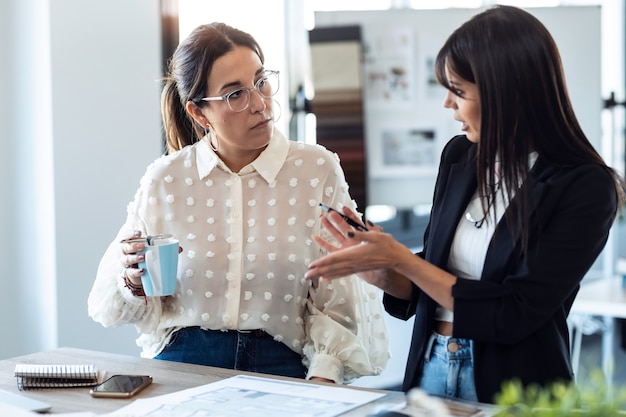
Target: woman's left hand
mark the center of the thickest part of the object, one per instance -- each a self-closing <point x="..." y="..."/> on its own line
<point x="364" y="253"/>
<point x="339" y="229"/>
<point x="372" y="255"/>
<point x="359" y="252"/>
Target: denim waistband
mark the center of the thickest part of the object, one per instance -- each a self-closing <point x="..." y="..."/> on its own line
<point x="254" y="333"/>
<point x="448" y="346"/>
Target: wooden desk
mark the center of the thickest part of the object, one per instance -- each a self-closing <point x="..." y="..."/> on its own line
<point x="168" y="377"/>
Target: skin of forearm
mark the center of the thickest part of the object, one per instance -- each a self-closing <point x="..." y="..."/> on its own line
<point x="403" y="268"/>
<point x="434" y="281"/>
<point x="396" y="284"/>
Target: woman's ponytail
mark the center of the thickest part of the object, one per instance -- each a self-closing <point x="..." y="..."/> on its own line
<point x="178" y="125"/>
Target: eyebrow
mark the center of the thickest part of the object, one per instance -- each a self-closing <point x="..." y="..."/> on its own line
<point x="237" y="83"/>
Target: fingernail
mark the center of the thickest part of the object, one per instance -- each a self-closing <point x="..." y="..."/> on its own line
<point x="350" y="234"/>
<point x="140" y="258"/>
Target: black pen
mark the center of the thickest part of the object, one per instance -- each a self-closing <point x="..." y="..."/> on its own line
<point x="351" y="222"/>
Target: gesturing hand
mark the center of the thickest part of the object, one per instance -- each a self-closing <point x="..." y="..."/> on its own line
<point x="355" y="252"/>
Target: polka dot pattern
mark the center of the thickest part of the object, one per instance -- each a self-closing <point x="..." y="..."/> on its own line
<point x="246" y="240"/>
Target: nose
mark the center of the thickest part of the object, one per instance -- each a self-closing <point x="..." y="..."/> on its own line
<point x="257" y="101"/>
<point x="448" y="100"/>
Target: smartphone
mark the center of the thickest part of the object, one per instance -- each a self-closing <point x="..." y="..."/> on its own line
<point x="121" y="386"/>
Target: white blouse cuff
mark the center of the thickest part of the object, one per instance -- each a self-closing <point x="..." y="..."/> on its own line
<point x="326" y="366"/>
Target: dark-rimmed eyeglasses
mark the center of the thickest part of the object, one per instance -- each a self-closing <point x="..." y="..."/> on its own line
<point x="238" y="100"/>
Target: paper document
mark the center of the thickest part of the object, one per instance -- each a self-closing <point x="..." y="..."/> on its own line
<point x="252" y="396"/>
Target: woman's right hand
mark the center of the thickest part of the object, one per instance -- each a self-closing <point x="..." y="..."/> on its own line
<point x="130" y="259"/>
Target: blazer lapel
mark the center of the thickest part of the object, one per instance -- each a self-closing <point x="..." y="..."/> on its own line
<point x="458" y="190"/>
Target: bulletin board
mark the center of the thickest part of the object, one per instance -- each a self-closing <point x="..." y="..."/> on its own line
<point x="406" y="125"/>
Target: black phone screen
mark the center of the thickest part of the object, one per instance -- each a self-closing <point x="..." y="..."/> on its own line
<point x="122" y="384"/>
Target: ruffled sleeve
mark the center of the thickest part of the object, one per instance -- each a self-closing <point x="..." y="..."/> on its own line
<point x="347" y="336"/>
<point x="346" y="332"/>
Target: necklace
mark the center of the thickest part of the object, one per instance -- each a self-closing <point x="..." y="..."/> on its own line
<point x="477" y="223"/>
<point x="476" y="203"/>
<point x="491" y="198"/>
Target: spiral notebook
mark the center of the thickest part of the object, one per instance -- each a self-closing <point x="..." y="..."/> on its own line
<point x="55" y="376"/>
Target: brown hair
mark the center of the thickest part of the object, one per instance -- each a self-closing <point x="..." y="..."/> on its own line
<point x="187" y="76"/>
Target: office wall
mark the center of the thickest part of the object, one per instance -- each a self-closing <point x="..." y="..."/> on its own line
<point x="25" y="179"/>
<point x="6" y="284"/>
<point x="79" y="123"/>
<point x="106" y="67"/>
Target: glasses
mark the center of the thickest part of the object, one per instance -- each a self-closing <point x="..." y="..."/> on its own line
<point x="238" y="100"/>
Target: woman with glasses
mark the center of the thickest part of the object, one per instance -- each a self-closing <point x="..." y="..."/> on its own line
<point x="522" y="208"/>
<point x="243" y="201"/>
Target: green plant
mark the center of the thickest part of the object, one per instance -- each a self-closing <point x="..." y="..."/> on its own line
<point x="589" y="399"/>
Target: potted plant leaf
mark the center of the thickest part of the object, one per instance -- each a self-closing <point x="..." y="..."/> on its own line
<point x="592" y="398"/>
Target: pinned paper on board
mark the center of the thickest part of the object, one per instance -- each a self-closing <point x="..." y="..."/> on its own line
<point x="405" y="152"/>
<point x="388" y="59"/>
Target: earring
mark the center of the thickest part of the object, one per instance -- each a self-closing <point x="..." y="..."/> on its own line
<point x="210" y="138"/>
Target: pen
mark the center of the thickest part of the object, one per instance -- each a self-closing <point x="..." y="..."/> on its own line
<point x="351" y="222"/>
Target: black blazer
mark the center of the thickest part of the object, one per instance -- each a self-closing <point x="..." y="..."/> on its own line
<point x="516" y="313"/>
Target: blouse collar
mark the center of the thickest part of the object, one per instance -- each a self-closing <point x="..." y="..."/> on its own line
<point x="267" y="164"/>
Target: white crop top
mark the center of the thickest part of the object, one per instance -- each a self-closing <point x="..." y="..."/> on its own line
<point x="472" y="238"/>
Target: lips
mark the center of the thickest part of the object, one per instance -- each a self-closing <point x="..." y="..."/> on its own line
<point x="261" y="124"/>
<point x="464" y="125"/>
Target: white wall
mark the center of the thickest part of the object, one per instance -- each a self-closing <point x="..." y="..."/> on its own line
<point x="79" y="123"/>
<point x="106" y="67"/>
<point x="26" y="255"/>
<point x="7" y="285"/>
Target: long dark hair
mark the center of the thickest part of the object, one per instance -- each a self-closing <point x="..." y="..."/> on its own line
<point x="515" y="63"/>
<point x="187" y="76"/>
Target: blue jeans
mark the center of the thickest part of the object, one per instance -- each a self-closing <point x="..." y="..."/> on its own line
<point x="254" y="351"/>
<point x="449" y="368"/>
